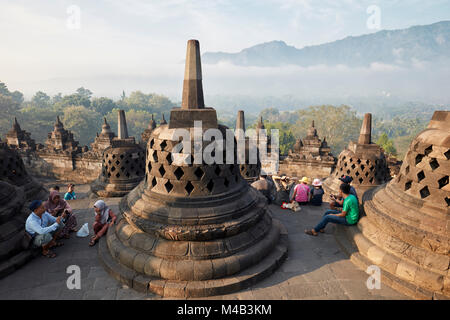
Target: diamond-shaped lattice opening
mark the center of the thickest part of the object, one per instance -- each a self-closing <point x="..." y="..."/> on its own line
<point x="359" y="161"/>
<point x="353" y="166"/>
<point x="149" y="166"/>
<point x="424" y="192"/>
<point x="113" y="156"/>
<point x="361" y="180"/>
<point x="217" y="170"/>
<point x="163" y="145"/>
<point x="371" y="168"/>
<point x="109" y="162"/>
<point x="178" y="173"/>
<point x="162" y="171"/>
<point x="226" y="182"/>
<point x="169" y="158"/>
<point x="210" y="186"/>
<point x="367" y="162"/>
<point x="121" y="156"/>
<point x="371" y="180"/>
<point x="168" y="186"/>
<point x="109" y="175"/>
<point x="189" y="187"/>
<point x="357" y="173"/>
<point x="443" y="182"/>
<point x="117" y="162"/>
<point x="363" y="167"/>
<point x="434" y="164"/>
<point x="367" y="174"/>
<point x="348" y="171"/>
<point x="155" y="156"/>
<point x="122" y="168"/>
<point x="447" y="154"/>
<point x="343" y="158"/>
<point x="118" y="175"/>
<point x="152" y="142"/>
<point x="407" y="169"/>
<point x="351" y="160"/>
<point x="154" y="182"/>
<point x="345" y="164"/>
<point x="421" y="176"/>
<point x="113" y="169"/>
<point x="419" y="158"/>
<point x="198" y="172"/>
<point x="428" y="150"/>
<point x="447" y="199"/>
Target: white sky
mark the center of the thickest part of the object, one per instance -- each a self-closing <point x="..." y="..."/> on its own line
<point x="134" y="43"/>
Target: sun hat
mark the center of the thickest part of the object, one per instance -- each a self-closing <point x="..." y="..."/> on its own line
<point x="317" y="183"/>
<point x="304" y="179"/>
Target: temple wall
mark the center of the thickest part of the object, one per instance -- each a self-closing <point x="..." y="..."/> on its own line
<point x="74" y="168"/>
<point x="308" y="169"/>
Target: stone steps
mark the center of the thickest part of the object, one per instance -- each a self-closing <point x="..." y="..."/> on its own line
<point x="15" y="262"/>
<point x="193" y="289"/>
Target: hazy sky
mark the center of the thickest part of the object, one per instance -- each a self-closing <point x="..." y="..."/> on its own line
<point x="147" y="39"/>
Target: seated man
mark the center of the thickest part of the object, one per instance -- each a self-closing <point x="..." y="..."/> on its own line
<point x="347" y="216"/>
<point x="44" y="228"/>
<point x="336" y="201"/>
<point x="266" y="187"/>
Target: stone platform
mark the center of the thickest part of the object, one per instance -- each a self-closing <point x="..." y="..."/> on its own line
<point x="316" y="267"/>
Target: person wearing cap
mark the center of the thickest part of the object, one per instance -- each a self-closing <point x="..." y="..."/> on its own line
<point x="317" y="193"/>
<point x="348" y="215"/>
<point x="338" y="202"/>
<point x="301" y="192"/>
<point x="43" y="228"/>
<point x="70" y="194"/>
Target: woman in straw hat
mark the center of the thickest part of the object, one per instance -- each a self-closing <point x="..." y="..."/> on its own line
<point x="301" y="192"/>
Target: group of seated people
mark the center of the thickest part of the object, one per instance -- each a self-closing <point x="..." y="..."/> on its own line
<point x="53" y="220"/>
<point x="344" y="207"/>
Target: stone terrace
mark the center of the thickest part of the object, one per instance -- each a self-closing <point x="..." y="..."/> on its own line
<point x="316" y="268"/>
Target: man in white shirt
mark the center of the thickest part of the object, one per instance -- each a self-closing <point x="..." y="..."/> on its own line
<point x="44" y="228"/>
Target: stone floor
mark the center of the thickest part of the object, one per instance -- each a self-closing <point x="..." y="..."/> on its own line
<point x="316" y="268"/>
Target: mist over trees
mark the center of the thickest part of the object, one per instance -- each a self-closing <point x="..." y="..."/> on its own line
<point x="83" y="114"/>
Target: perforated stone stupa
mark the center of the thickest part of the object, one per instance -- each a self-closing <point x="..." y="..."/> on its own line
<point x="406" y="230"/>
<point x="12" y="171"/>
<point x="123" y="165"/>
<point x="249" y="171"/>
<point x="364" y="161"/>
<point x="20" y="139"/>
<point x="191" y="230"/>
<point x="310" y="157"/>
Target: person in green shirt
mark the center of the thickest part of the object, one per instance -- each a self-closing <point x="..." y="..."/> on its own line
<point x="347" y="215"/>
<point x="70" y="194"/>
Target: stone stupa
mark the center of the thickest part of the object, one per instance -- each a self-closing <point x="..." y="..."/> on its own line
<point x="20" y="139"/>
<point x="406" y="230"/>
<point x="364" y="161"/>
<point x="123" y="165"/>
<point x="104" y="139"/>
<point x="191" y="230"/>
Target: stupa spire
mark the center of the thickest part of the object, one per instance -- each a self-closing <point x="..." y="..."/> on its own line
<point x="122" y="125"/>
<point x="192" y="86"/>
<point x="365" y="136"/>
<point x="240" y="121"/>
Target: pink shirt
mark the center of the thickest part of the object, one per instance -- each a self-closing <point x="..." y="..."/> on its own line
<point x="302" y="193"/>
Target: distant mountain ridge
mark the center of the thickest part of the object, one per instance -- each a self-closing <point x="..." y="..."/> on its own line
<point x="430" y="43"/>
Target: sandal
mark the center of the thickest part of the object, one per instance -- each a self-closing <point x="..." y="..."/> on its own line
<point x="310" y="233"/>
<point x="322" y="231"/>
<point x="93" y="242"/>
<point x="49" y="254"/>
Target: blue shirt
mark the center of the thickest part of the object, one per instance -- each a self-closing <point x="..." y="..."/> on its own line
<point x="70" y="196"/>
<point x="46" y="224"/>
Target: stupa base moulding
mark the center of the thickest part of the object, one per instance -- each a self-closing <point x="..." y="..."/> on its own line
<point x="196" y="289"/>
